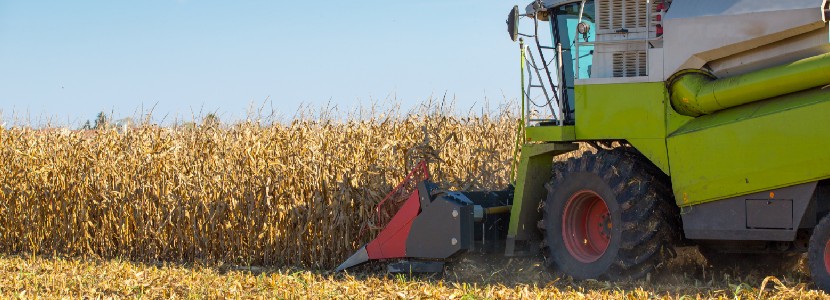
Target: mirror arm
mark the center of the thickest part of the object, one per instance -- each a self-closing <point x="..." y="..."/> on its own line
<point x="576" y="44"/>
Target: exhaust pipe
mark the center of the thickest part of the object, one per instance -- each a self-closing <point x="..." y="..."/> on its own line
<point x="695" y="93"/>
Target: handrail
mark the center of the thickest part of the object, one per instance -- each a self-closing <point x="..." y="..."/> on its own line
<point x="544" y="90"/>
<point x="544" y="62"/>
<point x="625" y="41"/>
<point x="576" y="39"/>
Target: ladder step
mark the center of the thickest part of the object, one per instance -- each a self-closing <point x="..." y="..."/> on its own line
<point x="547" y="47"/>
<point x="536" y="86"/>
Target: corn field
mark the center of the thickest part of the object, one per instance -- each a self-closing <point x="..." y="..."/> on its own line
<point x="301" y="193"/>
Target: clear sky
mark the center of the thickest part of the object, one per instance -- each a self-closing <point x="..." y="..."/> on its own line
<point x="69" y="60"/>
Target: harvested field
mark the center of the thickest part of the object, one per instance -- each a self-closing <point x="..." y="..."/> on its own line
<point x="35" y="277"/>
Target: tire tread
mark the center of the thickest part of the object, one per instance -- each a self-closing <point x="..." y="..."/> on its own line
<point x="644" y="197"/>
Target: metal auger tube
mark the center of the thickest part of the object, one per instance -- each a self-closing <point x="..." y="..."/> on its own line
<point x="695" y="93"/>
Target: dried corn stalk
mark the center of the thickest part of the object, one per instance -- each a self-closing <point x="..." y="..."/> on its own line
<point x="293" y="194"/>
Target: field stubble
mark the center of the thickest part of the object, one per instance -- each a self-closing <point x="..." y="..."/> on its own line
<point x="472" y="277"/>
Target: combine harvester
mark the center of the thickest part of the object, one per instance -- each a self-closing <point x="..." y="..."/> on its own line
<point x="711" y="124"/>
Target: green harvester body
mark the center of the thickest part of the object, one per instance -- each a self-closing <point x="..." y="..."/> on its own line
<point x="653" y="124"/>
<point x="715" y="138"/>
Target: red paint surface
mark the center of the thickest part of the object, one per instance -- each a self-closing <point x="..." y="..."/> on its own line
<point x="391" y="241"/>
<point x="659" y="18"/>
<point x="586" y="226"/>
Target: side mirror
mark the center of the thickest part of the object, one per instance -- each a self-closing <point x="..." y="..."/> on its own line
<point x="583" y="28"/>
<point x="513" y="23"/>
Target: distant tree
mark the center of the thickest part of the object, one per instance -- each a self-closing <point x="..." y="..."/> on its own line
<point x="101" y="121"/>
<point x="87" y="126"/>
<point x="187" y="125"/>
<point x="128" y="122"/>
<point x="211" y="120"/>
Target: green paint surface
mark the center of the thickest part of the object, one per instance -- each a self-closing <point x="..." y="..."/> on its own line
<point x="633" y="111"/>
<point x="550" y="133"/>
<point x="754" y="147"/>
<point x="764" y="145"/>
<point x="696" y="93"/>
<point x="534" y="171"/>
<point x="621" y="111"/>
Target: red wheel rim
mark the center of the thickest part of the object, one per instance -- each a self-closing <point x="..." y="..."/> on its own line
<point x="827" y="257"/>
<point x="586" y="226"/>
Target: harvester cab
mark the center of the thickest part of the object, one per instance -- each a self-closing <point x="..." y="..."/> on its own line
<point x="574" y="41"/>
<point x="716" y="108"/>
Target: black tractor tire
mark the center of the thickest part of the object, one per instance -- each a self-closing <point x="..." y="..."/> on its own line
<point x="635" y="230"/>
<point x="818" y="254"/>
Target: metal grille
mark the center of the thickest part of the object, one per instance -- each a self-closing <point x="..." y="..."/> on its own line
<point x="617" y="14"/>
<point x="630" y="64"/>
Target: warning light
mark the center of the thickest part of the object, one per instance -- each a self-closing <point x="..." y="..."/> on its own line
<point x="772" y="195"/>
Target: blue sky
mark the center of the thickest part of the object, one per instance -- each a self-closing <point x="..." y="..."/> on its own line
<point x="68" y="60"/>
